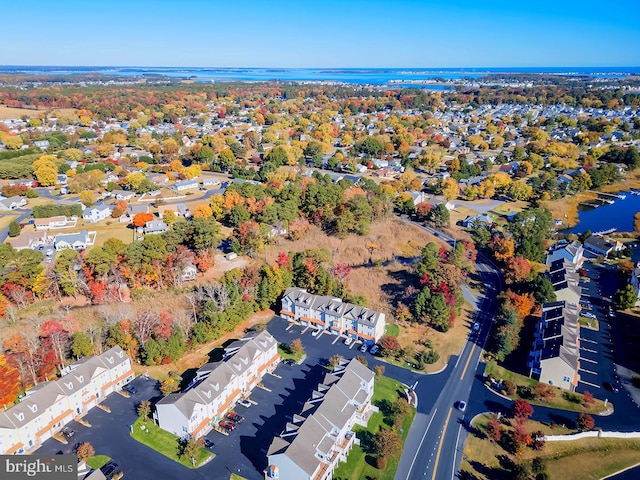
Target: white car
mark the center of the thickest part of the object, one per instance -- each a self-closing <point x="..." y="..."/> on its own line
<point x="348" y="341"/>
<point x="244" y="403"/>
<point x="316" y="332"/>
<point x="364" y="347"/>
<point x="589" y="315"/>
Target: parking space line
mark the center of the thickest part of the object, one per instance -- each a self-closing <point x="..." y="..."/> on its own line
<point x="589" y="383"/>
<point x="306" y="328"/>
<point x="588" y="371"/>
<point x="588" y="350"/>
<point x="587" y="360"/>
<point x="587" y="340"/>
<point x="336" y="339"/>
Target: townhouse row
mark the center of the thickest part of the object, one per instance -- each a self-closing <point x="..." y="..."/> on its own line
<point x="333" y="315"/>
<point x="49" y="406"/>
<point x="321" y="436"/>
<point x="218" y="386"/>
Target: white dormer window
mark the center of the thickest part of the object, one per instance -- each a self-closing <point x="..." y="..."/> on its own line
<point x="69" y="385"/>
<point x="120" y="353"/>
<point x="80" y="378"/>
<point x="21" y="416"/>
<point x="110" y="360"/>
<point x="216" y="386"/>
<point x="207" y="393"/>
<point x="34" y="408"/>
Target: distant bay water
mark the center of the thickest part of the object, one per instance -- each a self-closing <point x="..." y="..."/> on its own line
<point x="360" y="76"/>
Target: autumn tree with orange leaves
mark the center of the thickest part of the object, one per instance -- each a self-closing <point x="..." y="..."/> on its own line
<point x="9" y="382"/>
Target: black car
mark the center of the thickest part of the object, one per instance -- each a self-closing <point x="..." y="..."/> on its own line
<point x="111" y="469"/>
<point x="130" y="388"/>
<point x="67" y="432"/>
<point x="289" y="362"/>
<point x="611" y="387"/>
<point x="208" y="443"/>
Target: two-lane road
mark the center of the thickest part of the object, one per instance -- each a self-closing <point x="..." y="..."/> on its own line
<point x="434" y="444"/>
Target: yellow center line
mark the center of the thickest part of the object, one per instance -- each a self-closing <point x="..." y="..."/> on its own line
<point x="468" y="360"/>
<point x="444" y="430"/>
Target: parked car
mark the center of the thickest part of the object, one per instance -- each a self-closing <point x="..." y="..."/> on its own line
<point x="111" y="470"/>
<point x="208" y="443"/>
<point x="364" y="347"/>
<point x="67" y="432"/>
<point x="476" y="326"/>
<point x="589" y="315"/>
<point x="130" y="389"/>
<point x="462" y="406"/>
<point x="374" y="349"/>
<point x="316" y="332"/>
<point x="244" y="402"/>
<point x="234" y="417"/>
<point x="228" y="425"/>
<point x="289" y="362"/>
<point x="348" y="341"/>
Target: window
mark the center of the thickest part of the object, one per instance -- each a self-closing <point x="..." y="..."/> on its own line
<point x="566" y="379"/>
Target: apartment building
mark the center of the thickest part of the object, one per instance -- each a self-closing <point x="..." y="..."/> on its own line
<point x="565" y="280"/>
<point x="49" y="406"/>
<point x="333" y="315"/>
<point x="321" y="436"/>
<point x="218" y="386"/>
<point x="555" y="356"/>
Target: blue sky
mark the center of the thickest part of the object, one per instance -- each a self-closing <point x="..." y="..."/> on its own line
<point x="327" y="33"/>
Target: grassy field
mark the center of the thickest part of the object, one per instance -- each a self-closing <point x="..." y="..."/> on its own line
<point x="563" y="400"/>
<point x="164" y="443"/>
<point x="97" y="461"/>
<point x="585" y="459"/>
<point x="6" y="219"/>
<point x="360" y="463"/>
<point x="392" y="329"/>
<point x="12" y="112"/>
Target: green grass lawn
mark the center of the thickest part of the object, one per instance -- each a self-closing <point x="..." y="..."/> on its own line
<point x="285" y="353"/>
<point x="97" y="461"/>
<point x="563" y="400"/>
<point x="360" y="464"/>
<point x="165" y="443"/>
<point x="393" y="330"/>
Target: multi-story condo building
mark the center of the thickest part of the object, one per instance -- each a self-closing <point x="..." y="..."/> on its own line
<point x="321" y="436"/>
<point x="555" y="356"/>
<point x="333" y="315"/>
<point x="49" y="406"/>
<point x="218" y="386"/>
<point x="565" y="280"/>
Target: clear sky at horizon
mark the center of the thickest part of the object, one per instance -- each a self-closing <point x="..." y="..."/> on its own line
<point x="329" y="33"/>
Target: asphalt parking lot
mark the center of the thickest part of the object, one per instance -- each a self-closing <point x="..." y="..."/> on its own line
<point x="243" y="451"/>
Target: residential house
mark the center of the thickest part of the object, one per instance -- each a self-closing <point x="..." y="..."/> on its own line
<point x="483" y="218"/>
<point x="185" y="185"/>
<point x="53" y="223"/>
<point x="97" y="213"/>
<point x="30" y="240"/>
<point x="218" y="386"/>
<point x="600" y="246"/>
<point x="49" y="406"/>
<point x="12" y="203"/>
<point x="179" y="209"/>
<point x="555" y="356"/>
<point x="133" y="210"/>
<point x="210" y="182"/>
<point x="572" y="252"/>
<point x="316" y="440"/>
<point x="190" y="272"/>
<point x="635" y="281"/>
<point x="123" y="194"/>
<point x="565" y="279"/>
<point x="76" y="241"/>
<point x="332" y="315"/>
<point x="155" y="227"/>
<point x="43" y="144"/>
<point x="418" y="197"/>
